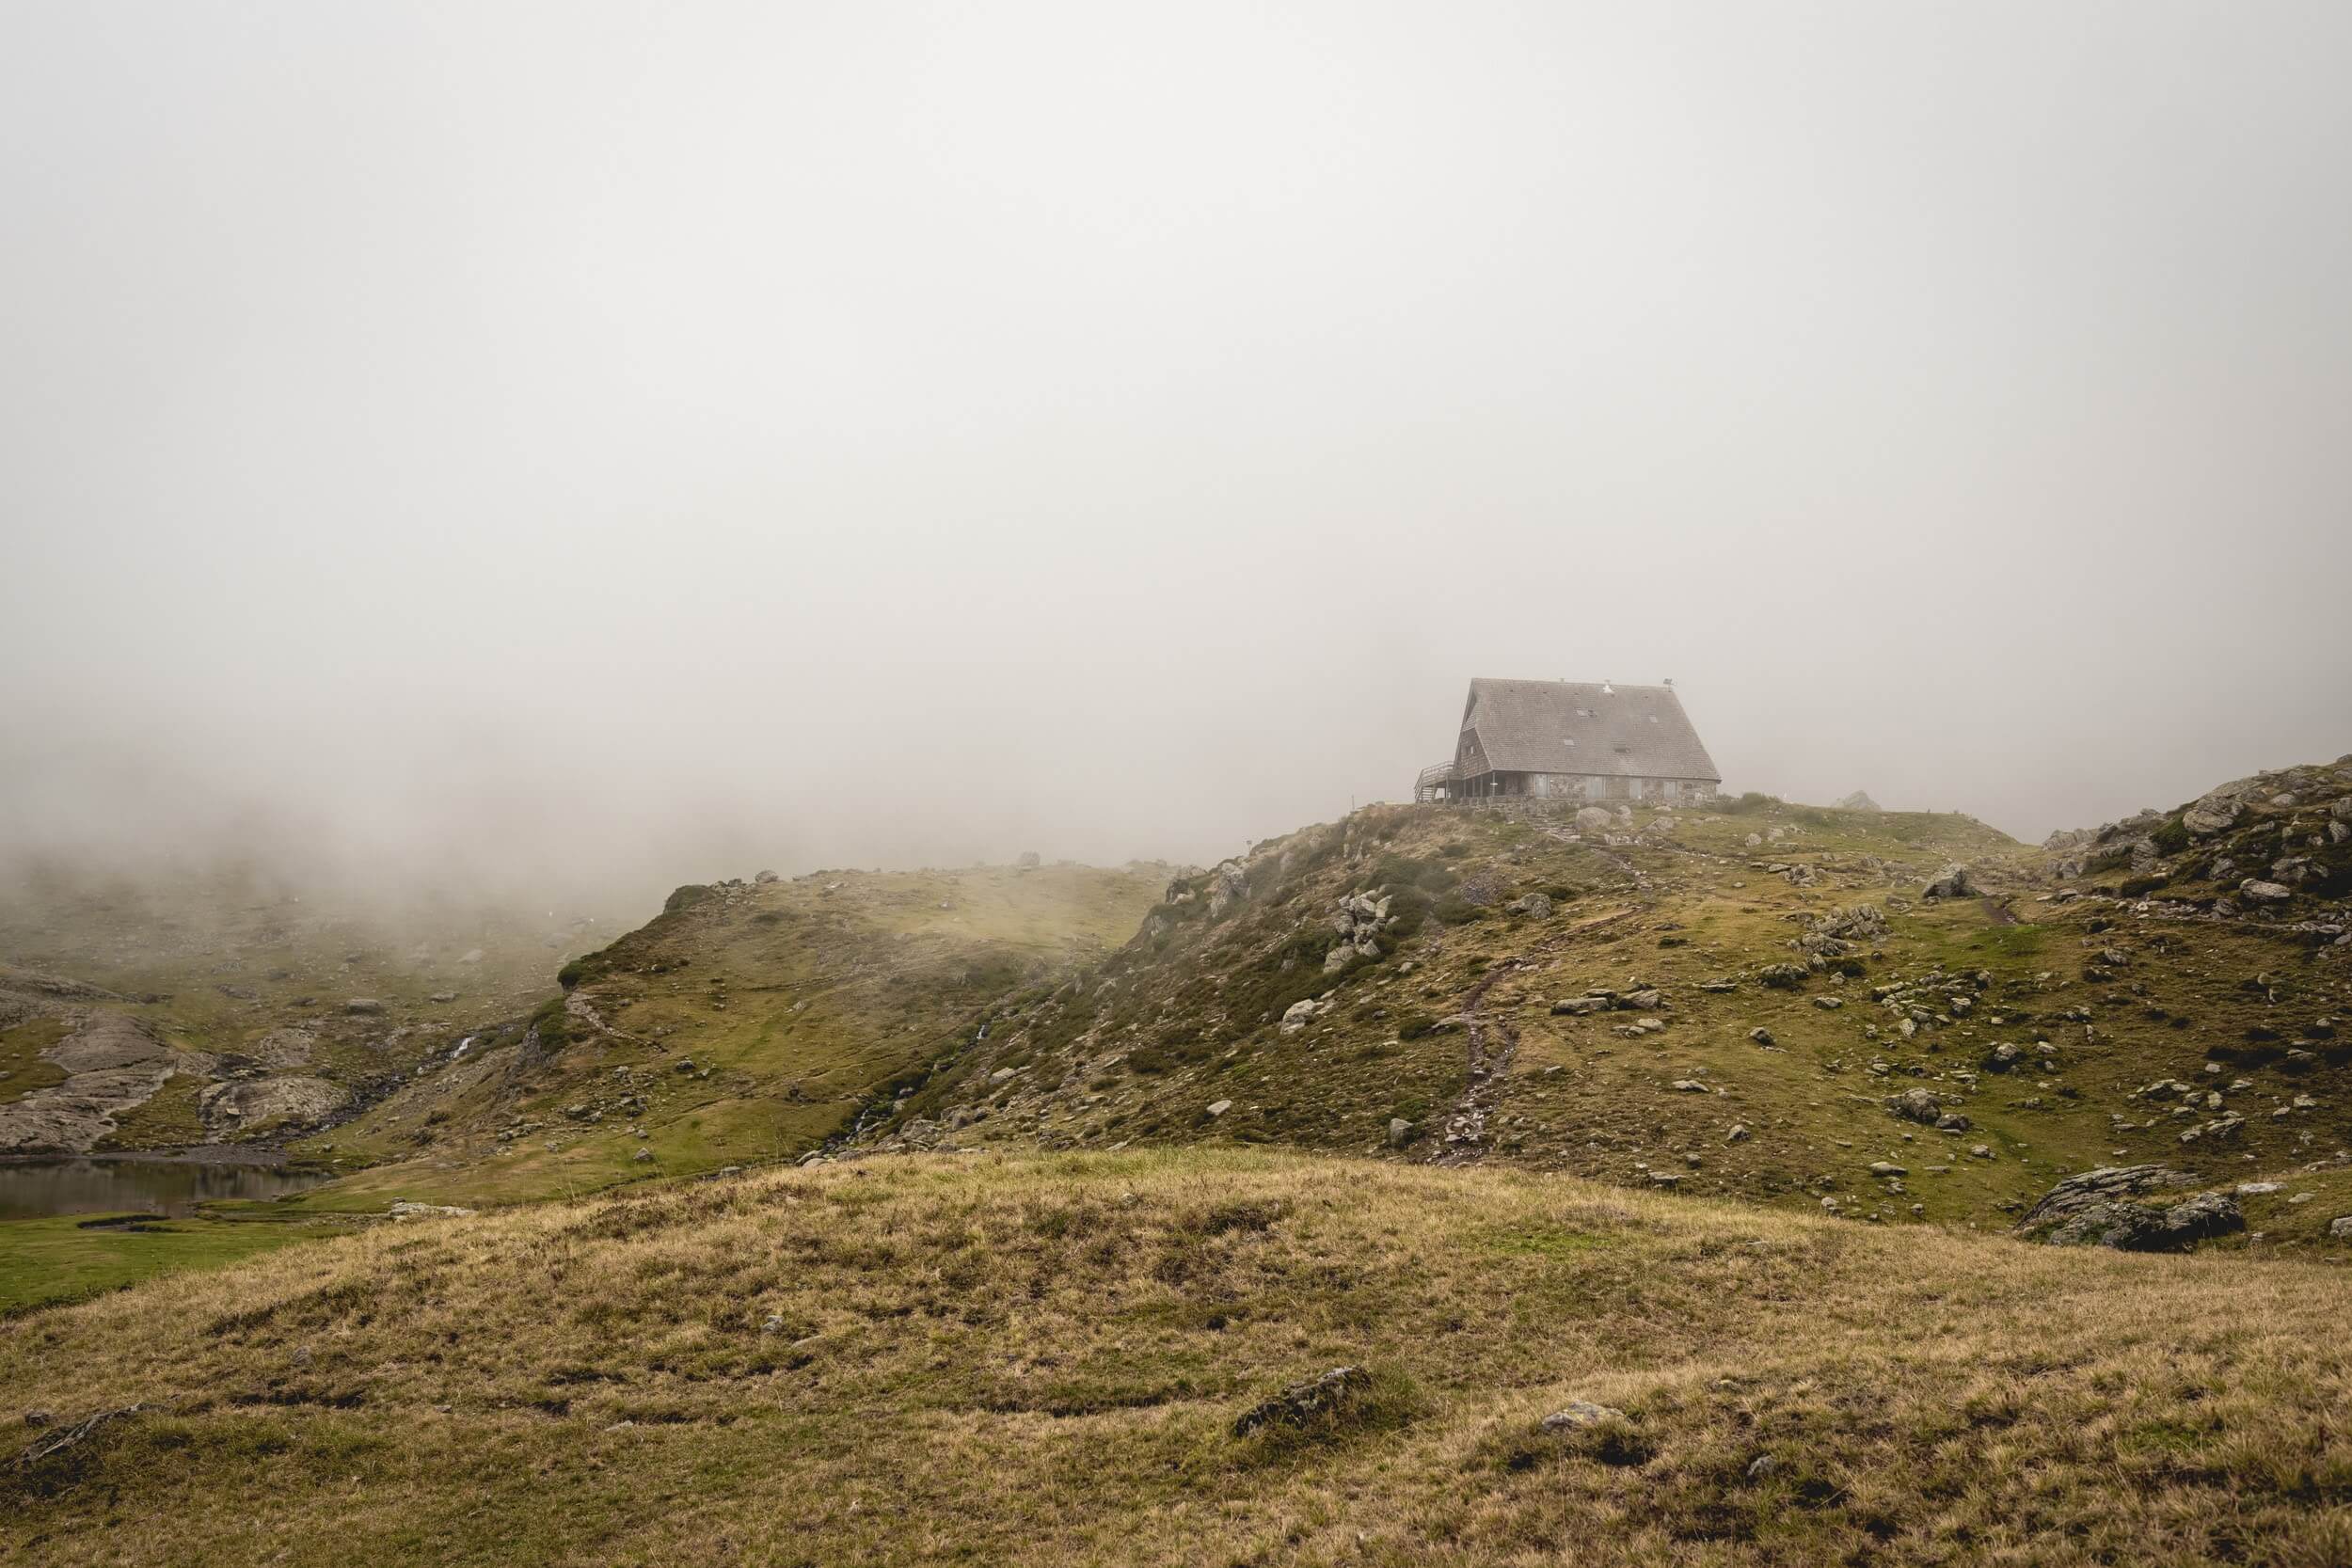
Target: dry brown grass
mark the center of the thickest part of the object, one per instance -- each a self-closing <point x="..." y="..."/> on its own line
<point x="1039" y="1359"/>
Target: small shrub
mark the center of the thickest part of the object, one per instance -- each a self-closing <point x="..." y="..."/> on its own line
<point x="552" y="1023"/>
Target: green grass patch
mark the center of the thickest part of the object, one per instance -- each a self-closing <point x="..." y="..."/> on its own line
<point x="44" y="1263"/>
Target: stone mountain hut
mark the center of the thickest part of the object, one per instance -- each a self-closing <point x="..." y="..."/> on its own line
<point x="1571" y="740"/>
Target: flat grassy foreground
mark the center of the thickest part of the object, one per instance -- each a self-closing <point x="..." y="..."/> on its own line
<point x="1040" y="1359"/>
<point x="71" y="1256"/>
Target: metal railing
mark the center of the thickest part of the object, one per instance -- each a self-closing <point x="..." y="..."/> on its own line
<point x="1434" y="783"/>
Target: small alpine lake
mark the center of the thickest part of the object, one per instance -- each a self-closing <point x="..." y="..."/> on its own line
<point x="36" y="1189"/>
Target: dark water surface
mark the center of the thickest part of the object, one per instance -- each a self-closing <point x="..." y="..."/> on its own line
<point x="32" y="1189"/>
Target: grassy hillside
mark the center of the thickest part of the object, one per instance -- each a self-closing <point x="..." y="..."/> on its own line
<point x="748" y="1021"/>
<point x="1777" y="998"/>
<point x="1043" y="1359"/>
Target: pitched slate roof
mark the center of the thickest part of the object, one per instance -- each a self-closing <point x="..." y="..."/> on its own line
<point x="1575" y="727"/>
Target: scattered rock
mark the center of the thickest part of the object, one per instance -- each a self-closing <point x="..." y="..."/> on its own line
<point x="1577" y="1415"/>
<point x="1311" y="1402"/>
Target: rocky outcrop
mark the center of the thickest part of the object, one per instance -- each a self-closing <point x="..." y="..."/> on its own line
<point x="262" y="1104"/>
<point x="2124" y="1206"/>
<point x="112" y="1064"/>
<point x="1834" y="934"/>
<point x="1859" y="800"/>
<point x="2266" y="846"/>
<point x="1231" y="886"/>
<point x="1358" y="921"/>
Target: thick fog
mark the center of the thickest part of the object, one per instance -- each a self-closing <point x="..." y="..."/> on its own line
<point x="621" y="445"/>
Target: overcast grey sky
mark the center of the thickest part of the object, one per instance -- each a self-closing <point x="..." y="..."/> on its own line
<point x="674" y="438"/>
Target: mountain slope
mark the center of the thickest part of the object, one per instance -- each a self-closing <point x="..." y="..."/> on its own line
<point x="1420" y="981"/>
<point x="748" y="1022"/>
<point x="230" y="1006"/>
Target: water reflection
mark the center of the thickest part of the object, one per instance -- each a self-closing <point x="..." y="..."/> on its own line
<point x="34" y="1188"/>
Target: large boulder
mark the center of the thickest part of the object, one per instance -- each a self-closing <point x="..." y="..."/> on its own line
<point x="1954" y="883"/>
<point x="1915" y="1105"/>
<point x="2112" y="1206"/>
<point x="1593" y="820"/>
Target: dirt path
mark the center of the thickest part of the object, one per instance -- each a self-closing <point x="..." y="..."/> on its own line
<point x="1493" y="1041"/>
